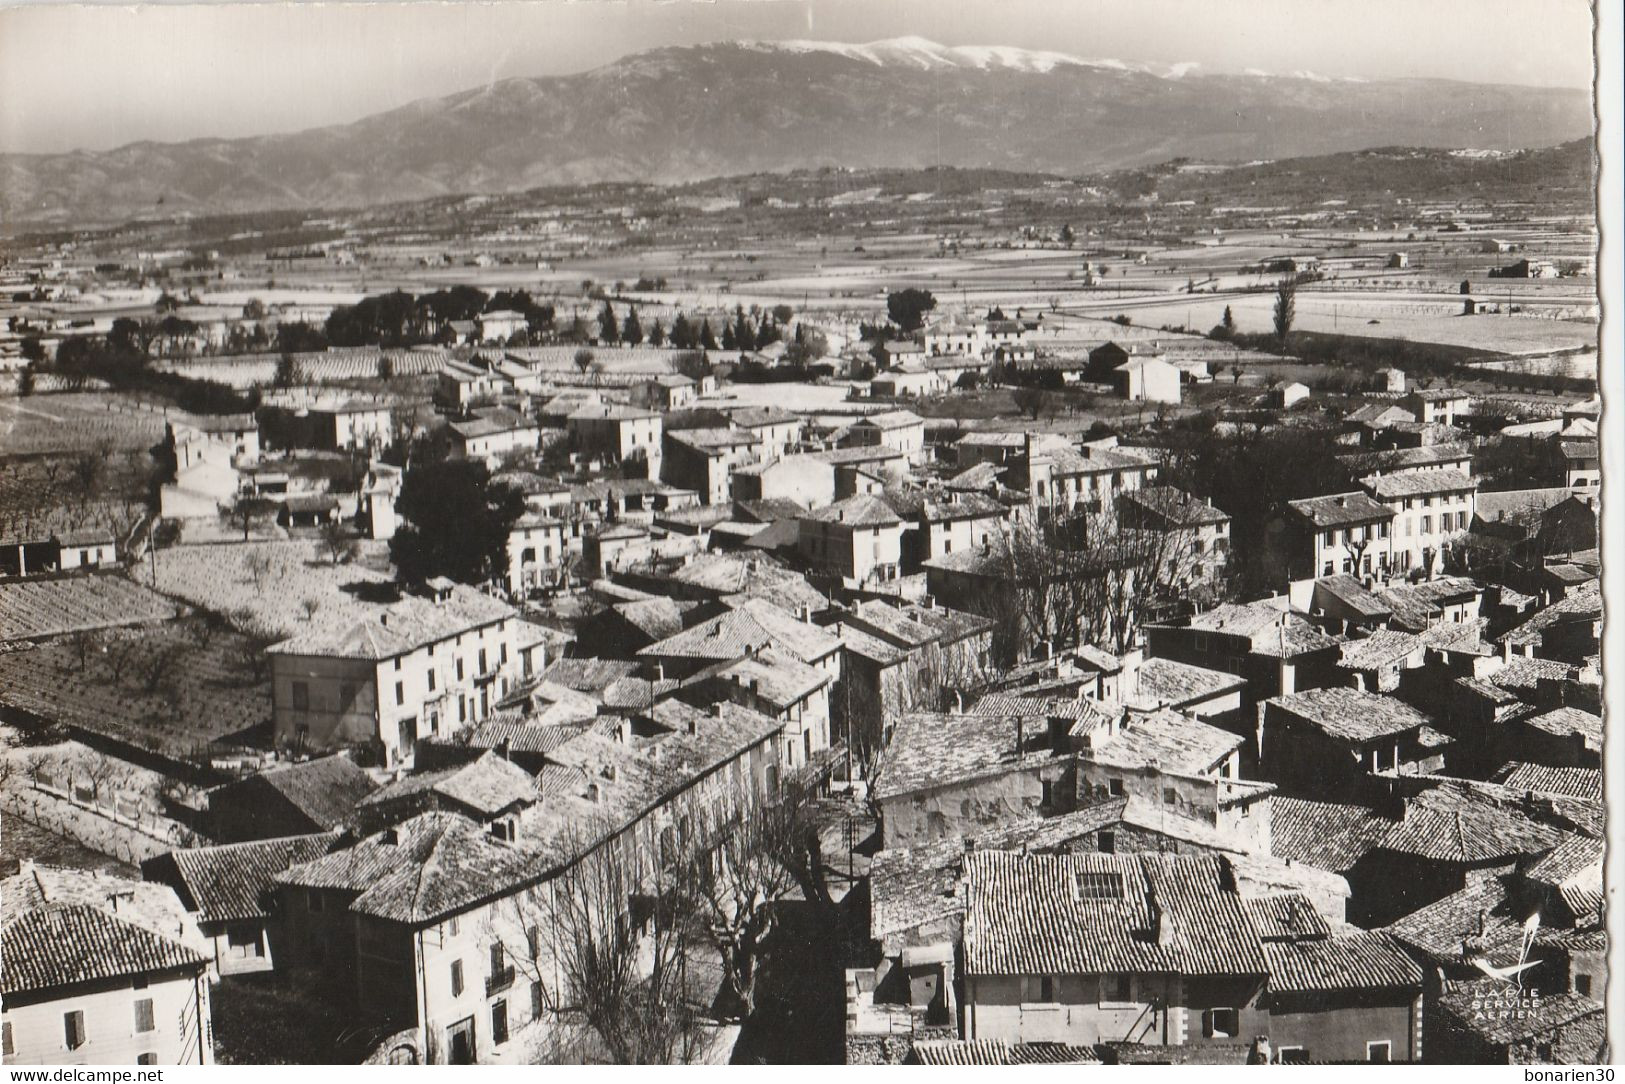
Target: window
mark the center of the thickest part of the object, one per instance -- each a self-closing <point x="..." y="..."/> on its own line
<point x="6" y="1046"/>
<point x="397" y="665"/>
<point x="499" y="1022"/>
<point x="1379" y="1052"/>
<point x="73" y="1029"/>
<point x="457" y="978"/>
<point x="301" y="696"/>
<point x="535" y="1000"/>
<point x="1220" y="1024"/>
<point x="431" y="680"/>
<point x="1098" y="885"/>
<point x="1046" y="989"/>
<point x="1292" y="1055"/>
<point x="1582" y="985"/>
<point x="400" y="692"/>
<point x="497" y="959"/>
<point x="459" y="669"/>
<point x="1106" y="843"/>
<point x="533" y="941"/>
<point x="143" y="1014"/>
<point x="1048" y="799"/>
<point x="453" y="926"/>
<point x="1427" y="524"/>
<point x="1116" y="989"/>
<point x="483" y="667"/>
<point x="148" y="1058"/>
<point x="1169" y="797"/>
<point x="1115" y="786"/>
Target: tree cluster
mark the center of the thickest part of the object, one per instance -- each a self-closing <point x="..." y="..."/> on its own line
<point x="456" y="522"/>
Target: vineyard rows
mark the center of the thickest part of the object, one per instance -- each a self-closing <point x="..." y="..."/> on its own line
<point x="47" y="424"/>
<point x="30" y="609"/>
<point x="255" y="370"/>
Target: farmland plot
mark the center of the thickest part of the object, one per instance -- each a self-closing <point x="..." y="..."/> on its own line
<point x="265" y="588"/>
<point x="175" y="689"/>
<point x="51" y="424"/>
<point x="33" y="609"/>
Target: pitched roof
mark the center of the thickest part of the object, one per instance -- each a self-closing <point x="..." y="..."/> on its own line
<point x="1273" y="631"/>
<point x="859" y="510"/>
<point x="1401" y="459"/>
<point x="1584" y="604"/>
<point x="1000" y="1052"/>
<point x="751" y="626"/>
<point x="1167" y="683"/>
<point x="1327" y="835"/>
<point x="229" y="882"/>
<point x="1351" y="715"/>
<point x="1286" y="916"/>
<point x="1460" y="824"/>
<point x="400" y="627"/>
<point x="1363" y="960"/>
<point x="931" y="749"/>
<point x="1565" y="722"/>
<point x="1096" y="913"/>
<point x="1350" y="592"/>
<point x="325" y="790"/>
<point x="1421" y="483"/>
<point x="1382" y="648"/>
<point x="1175" y="505"/>
<point x="488" y="785"/>
<point x="1341" y="510"/>
<point x="1539" y="778"/>
<point x="1169" y="739"/>
<point x="890" y="419"/>
<point x="45" y="948"/>
<point x="1465" y="1007"/>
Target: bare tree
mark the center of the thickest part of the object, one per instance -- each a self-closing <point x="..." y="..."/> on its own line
<point x="1030" y="401"/>
<point x="309" y="606"/>
<point x="610" y="947"/>
<point x="257" y="563"/>
<point x="156" y="667"/>
<point x="337" y="543"/>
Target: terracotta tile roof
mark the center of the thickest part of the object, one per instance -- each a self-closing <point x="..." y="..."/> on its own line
<point x="1463" y="825"/>
<point x="1480" y="919"/>
<point x="1093" y="914"/>
<point x="1399" y="459"/>
<point x="1382" y="647"/>
<point x="1365" y="960"/>
<point x="400" y="627"/>
<point x="1167" y="683"/>
<point x="46" y="948"/>
<point x="752" y="626"/>
<point x="1584" y="604"/>
<point x="521" y="735"/>
<point x="487" y="785"/>
<point x="1327" y="835"/>
<point x="230" y="882"/>
<point x="1418" y="605"/>
<point x="860" y="510"/>
<point x="912" y="625"/>
<point x="1544" y="1015"/>
<point x="1524" y="673"/>
<point x="1575" y="861"/>
<point x="930" y="749"/>
<point x="1176" y="506"/>
<point x="1000" y="1052"/>
<point x="1418" y="483"/>
<point x="1272" y="629"/>
<point x="1172" y="741"/>
<point x="1565" y="722"/>
<point x="1351" y="715"/>
<point x="1352" y="593"/>
<point x="890" y="419"/>
<point x="1082" y="715"/>
<point x="1341" y="510"/>
<point x="775" y="675"/>
<point x="588" y="675"/>
<point x="1460" y="637"/>
<point x="325" y="790"/>
<point x="1289" y="916"/>
<point x="1541" y="779"/>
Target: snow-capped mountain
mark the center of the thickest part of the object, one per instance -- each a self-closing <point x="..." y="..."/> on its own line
<point x="686" y="113"/>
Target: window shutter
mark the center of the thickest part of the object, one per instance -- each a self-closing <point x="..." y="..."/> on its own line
<point x="143" y="1014"/>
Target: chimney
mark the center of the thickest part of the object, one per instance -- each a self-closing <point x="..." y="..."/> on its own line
<point x="693" y="725"/>
<point x="383" y="619"/>
<point x="608" y="772"/>
<point x="1162" y="926"/>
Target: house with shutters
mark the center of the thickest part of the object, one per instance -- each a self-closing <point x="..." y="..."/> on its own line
<point x="1096" y="948"/>
<point x="450" y="928"/>
<point x="393" y="673"/>
<point x="100" y="970"/>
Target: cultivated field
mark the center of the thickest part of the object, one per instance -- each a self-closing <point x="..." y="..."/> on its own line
<point x="78" y="422"/>
<point x="243" y="371"/>
<point x="33" y="609"/>
<point x="175" y="689"/>
<point x="263" y="587"/>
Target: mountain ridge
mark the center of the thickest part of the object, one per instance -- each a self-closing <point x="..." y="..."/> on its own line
<point x="683" y="113"/>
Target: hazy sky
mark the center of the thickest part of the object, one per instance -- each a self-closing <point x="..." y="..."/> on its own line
<point x="99" y="76"/>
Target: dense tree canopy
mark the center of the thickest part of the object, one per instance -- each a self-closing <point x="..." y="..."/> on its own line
<point x="907" y="308"/>
<point x="457" y="522"/>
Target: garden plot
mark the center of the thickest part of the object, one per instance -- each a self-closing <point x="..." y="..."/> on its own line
<point x="184" y="689"/>
<point x="35" y="609"/>
<point x="268" y="589"/>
